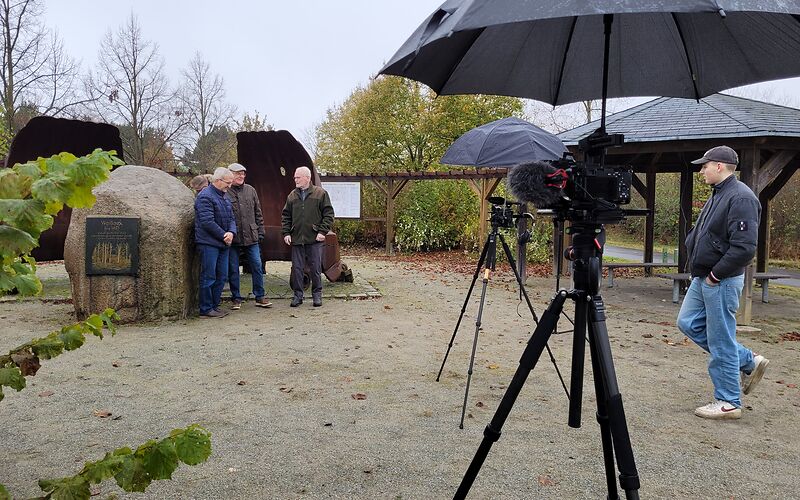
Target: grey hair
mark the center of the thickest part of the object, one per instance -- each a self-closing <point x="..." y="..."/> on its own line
<point x="304" y="171"/>
<point x="220" y="173"/>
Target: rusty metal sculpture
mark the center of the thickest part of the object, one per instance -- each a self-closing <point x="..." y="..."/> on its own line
<point x="271" y="159"/>
<point x="46" y="136"/>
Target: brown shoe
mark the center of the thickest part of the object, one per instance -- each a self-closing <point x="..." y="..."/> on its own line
<point x="263" y="302"/>
<point x="214" y="314"/>
<point x="236" y="304"/>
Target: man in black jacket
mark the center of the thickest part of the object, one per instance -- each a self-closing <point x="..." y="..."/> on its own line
<point x="247" y="212"/>
<point x="721" y="244"/>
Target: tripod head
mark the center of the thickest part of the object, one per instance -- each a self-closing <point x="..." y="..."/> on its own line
<point x="586" y="254"/>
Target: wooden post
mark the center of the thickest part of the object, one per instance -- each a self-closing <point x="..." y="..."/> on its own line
<point x="744" y="316"/>
<point x="389" y="217"/>
<point x="750" y="161"/>
<point x="649" y="224"/>
<point x="685" y="219"/>
<point x="484" y="189"/>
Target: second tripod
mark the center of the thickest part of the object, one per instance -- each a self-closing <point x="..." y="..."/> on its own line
<point x="487" y="263"/>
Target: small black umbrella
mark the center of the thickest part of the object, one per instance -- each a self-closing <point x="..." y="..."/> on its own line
<point x="555" y="52"/>
<point x="503" y="143"/>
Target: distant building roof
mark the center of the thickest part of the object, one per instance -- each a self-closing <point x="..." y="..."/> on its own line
<point x="716" y="116"/>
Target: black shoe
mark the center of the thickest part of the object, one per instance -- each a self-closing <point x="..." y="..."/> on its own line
<point x="296" y="301"/>
<point x="214" y="314"/>
<point x="318" y="303"/>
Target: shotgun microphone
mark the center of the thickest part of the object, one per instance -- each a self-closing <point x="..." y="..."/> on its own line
<point x="538" y="182"/>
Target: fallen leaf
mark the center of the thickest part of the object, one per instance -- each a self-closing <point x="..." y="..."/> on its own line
<point x="480" y="404"/>
<point x="791" y="386"/>
<point x="286" y="390"/>
<point x="115" y="364"/>
<point x="387" y="306"/>
<point x="241" y="382"/>
<point x="359" y="396"/>
<point x="546" y="481"/>
<point x="493" y="366"/>
<point x="101" y="413"/>
<point x="648" y="335"/>
<point x="45" y="394"/>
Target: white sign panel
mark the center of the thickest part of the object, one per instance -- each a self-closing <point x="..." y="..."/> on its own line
<point x="346" y="198"/>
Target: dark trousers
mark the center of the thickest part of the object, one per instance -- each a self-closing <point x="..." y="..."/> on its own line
<point x="253" y="255"/>
<point x="213" y="271"/>
<point x="307" y="255"/>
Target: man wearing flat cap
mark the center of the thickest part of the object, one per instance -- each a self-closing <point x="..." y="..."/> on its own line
<point x="247" y="213"/>
<point x="720" y="245"/>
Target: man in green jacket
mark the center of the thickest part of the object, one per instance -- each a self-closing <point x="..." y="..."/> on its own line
<point x="306" y="219"/>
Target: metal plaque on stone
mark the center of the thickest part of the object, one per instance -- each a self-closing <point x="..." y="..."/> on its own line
<point x="112" y="245"/>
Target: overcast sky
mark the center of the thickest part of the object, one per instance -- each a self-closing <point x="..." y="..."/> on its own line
<point x="290" y="60"/>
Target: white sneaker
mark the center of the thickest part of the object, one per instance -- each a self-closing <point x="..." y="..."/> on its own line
<point x="719" y="410"/>
<point x="751" y="380"/>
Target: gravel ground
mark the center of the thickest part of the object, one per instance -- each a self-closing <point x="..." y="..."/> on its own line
<point x="281" y="391"/>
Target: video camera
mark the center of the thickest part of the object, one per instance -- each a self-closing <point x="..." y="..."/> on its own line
<point x="573" y="190"/>
<point x="502" y="212"/>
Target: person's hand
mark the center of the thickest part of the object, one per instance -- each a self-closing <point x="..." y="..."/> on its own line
<point x="287" y="239"/>
<point x="709" y="282"/>
<point x="228" y="238"/>
<point x="320" y="237"/>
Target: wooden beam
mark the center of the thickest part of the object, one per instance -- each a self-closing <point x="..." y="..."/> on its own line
<point x="637" y="183"/>
<point x="649" y="224"/>
<point x="685" y="218"/>
<point x="772" y="168"/>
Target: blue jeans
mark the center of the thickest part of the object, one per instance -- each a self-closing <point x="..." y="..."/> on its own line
<point x="213" y="270"/>
<point x="708" y="317"/>
<point x="253" y="255"/>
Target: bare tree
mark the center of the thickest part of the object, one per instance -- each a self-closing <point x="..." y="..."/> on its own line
<point x="35" y="71"/>
<point x="203" y="97"/>
<point x="129" y="88"/>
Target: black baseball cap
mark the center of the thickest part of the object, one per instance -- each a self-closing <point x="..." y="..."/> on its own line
<point x="719" y="153"/>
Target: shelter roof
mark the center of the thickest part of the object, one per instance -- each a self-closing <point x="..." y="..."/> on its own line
<point x="713" y="117"/>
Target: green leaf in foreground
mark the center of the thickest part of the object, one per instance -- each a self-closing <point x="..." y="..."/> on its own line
<point x="11" y="377"/>
<point x="161" y="460"/>
<point x="68" y="488"/>
<point x="48" y="347"/>
<point x="4" y="495"/>
<point x="132" y="476"/>
<point x="193" y="445"/>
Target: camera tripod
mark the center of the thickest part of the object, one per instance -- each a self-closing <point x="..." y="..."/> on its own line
<point x="487" y="262"/>
<point x="585" y="253"/>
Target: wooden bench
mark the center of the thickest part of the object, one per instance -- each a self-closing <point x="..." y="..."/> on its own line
<point x="761" y="278"/>
<point x="631" y="265"/>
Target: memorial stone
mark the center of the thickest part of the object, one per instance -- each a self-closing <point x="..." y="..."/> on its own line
<point x="133" y="250"/>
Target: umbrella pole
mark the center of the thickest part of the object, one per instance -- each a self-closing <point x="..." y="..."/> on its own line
<point x="608" y="20"/>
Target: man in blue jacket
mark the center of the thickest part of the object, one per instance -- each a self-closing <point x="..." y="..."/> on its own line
<point x="721" y="244"/>
<point x="214" y="229"/>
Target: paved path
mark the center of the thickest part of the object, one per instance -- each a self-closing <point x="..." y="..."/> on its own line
<point x="638" y="255"/>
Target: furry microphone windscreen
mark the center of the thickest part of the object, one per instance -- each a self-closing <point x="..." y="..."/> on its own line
<point x="538" y="182"/>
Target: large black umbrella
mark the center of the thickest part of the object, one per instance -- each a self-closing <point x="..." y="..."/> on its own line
<point x="503" y="143"/>
<point x="554" y="51"/>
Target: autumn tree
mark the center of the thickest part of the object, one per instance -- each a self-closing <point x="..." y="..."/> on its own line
<point x="35" y="71"/>
<point x="396" y="124"/>
<point x="129" y="88"/>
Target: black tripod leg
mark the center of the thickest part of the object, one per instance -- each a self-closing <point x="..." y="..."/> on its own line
<point x="610" y="411"/>
<point x="474" y="345"/>
<point x="530" y="356"/>
<point x="513" y="264"/>
<point x="578" y="357"/>
<point x="464" y="307"/>
<point x="524" y="292"/>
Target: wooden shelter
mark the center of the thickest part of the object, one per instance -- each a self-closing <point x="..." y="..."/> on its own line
<point x="666" y="134"/>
